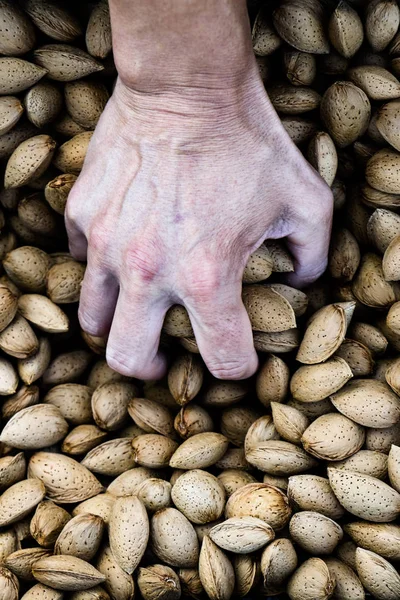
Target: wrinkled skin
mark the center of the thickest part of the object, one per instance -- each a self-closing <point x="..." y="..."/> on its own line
<point x="175" y="194"/>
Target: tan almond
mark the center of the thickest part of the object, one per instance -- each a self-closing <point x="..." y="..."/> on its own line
<point x="299" y="129"/>
<point x="43" y="313"/>
<point x="8" y="378"/>
<point x="152" y="450"/>
<point x="323" y="156"/>
<point x="242" y="534"/>
<point x="12" y="470"/>
<point x="13" y="138"/>
<point x="345" y="30"/>
<point x="110" y="404"/>
<point x="18" y="339"/>
<point x="27" y="267"/>
<point x="259" y="266"/>
<point x="293" y="100"/>
<point x="85" y="101"/>
<point x="311" y="580"/>
<point x="310" y="36"/>
<point x="129" y="482"/>
<point x="66" y="481"/>
<point x="367" y="462"/>
<point x="119" y="584"/>
<point x="364" y="496"/>
<point x="370" y="336"/>
<point x="111" y="458"/>
<point x="24" y="397"/>
<point x="73" y="400"/>
<point x="272" y="384"/>
<point x="21" y="562"/>
<point x="268" y="310"/>
<point x="17" y="75"/>
<point x="300" y="67"/>
<point x="391" y="259"/>
<point x="333" y="437"/>
<point x="289" y="422"/>
<point x="66" y="573"/>
<point x="381" y="23"/>
<point x="128" y="532"/>
<point x="382" y="538"/>
<point x="311" y="383"/>
<point x="43" y="103"/>
<point x="378" y="83"/>
<point x="177" y="322"/>
<point x="317" y="534"/>
<point x="314" y="493"/>
<point x="265" y="38"/>
<point x="325" y="333"/>
<point x="383" y="227"/>
<point x="382" y="172"/>
<point x="370" y="286"/>
<point x="70" y="156"/>
<point x="83" y="438"/>
<point x="35" y="427"/>
<point x="47" y="522"/>
<point x="53" y="20"/>
<point x="35" y="215"/>
<point x="158" y="581"/>
<point x="185" y="378"/>
<point x="64" y="282"/>
<point x="43" y="592"/>
<point x="29" y="160"/>
<point x="347" y="582"/>
<point x="100" y="505"/>
<point x="344" y="255"/>
<point x="386" y="120"/>
<point x="67" y="367"/>
<point x="381" y="440"/>
<point x="278" y="457"/>
<point x="376" y="199"/>
<point x="224" y="393"/>
<point x="199" y="496"/>
<point x="377" y="575"/>
<point x="11" y="111"/>
<point x="19" y="500"/>
<point x="155" y="494"/>
<point x="199" y="451"/>
<point x="345" y="110"/>
<point x="235" y="422"/>
<point x="278" y="561"/>
<point x="215" y="571"/>
<point x="191" y="420"/>
<point x="233" y="479"/>
<point x="66" y="63"/>
<point x="262" y="501"/>
<point x="57" y="190"/>
<point x="174" y="539"/>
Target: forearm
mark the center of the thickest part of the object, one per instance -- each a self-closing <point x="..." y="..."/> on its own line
<point x="162" y="44"/>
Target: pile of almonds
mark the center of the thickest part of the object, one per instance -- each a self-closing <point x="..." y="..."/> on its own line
<point x="287" y="483"/>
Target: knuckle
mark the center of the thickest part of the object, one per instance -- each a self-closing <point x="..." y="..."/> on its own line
<point x="89" y="323"/>
<point x="99" y="238"/>
<point x="203" y="280"/>
<point x="144" y="259"/>
<point x="129" y="367"/>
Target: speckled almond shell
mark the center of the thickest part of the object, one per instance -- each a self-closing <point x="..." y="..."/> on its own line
<point x="35" y="427"/>
<point x="12" y="470"/>
<point x="300" y="24"/>
<point x="394" y="467"/>
<point x="57" y="190"/>
<point x="345" y="110"/>
<point x="129" y="532"/>
<point x="325" y="333"/>
<point x="98" y="31"/>
<point x="73" y="400"/>
<point x="234" y="479"/>
<point x="32" y="368"/>
<point x="199" y="451"/>
<point x="301" y="68"/>
<point x="265" y="38"/>
<point x="66" y="481"/>
<point x="43" y="103"/>
<point x="242" y="534"/>
<point x="119" y="584"/>
<point x="53" y="20"/>
<point x="192" y="419"/>
<point x="110" y="404"/>
<point x="382" y="19"/>
<point x="387" y="123"/>
<point x="391" y="261"/>
<point x="357" y="356"/>
<point x="19" y="499"/>
<point x="17" y="75"/>
<point x="13" y="138"/>
<point x="159" y="581"/>
<point x="8" y="378"/>
<point x="272" y="380"/>
<point x="370" y="336"/>
<point x="376" y="199"/>
<point x="17" y="34"/>
<point x="279" y="458"/>
<point x="347" y="582"/>
<point x="29" y="160"/>
<point x="333" y="437"/>
<point x="315" y="533"/>
<point x="199" y="496"/>
<point x="177" y="322"/>
<point x="377" y="575"/>
<point x="43" y="313"/>
<point x="85" y="101"/>
<point x="368" y="402"/>
<point x="11" y="111"/>
<point x="66" y="573"/>
<point x="64" y="282"/>
<point x="289" y="422"/>
<point x="8" y="306"/>
<point x="311" y="383"/>
<point x="185" y="378"/>
<point x="268" y="310"/>
<point x="173" y="538"/>
<point x="19" y="339"/>
<point x="27" y="267"/>
<point x="382" y="171"/>
<point x="261" y="430"/>
<point x="344" y="255"/>
<point x="66" y="63"/>
<point x="323" y="156"/>
<point x="279" y="342"/>
<point x="47" y="522"/>
<point x="82" y="438"/>
<point x="43" y="592"/>
<point x="378" y="83"/>
<point x="291" y="100"/>
<point x="278" y="561"/>
<point x="155" y="494"/>
<point x="383" y="227"/>
<point x="100" y="505"/>
<point x="70" y="156"/>
<point x="299" y="129"/>
<point x="216" y="571"/>
<point x="311" y="580"/>
<point x="259" y="266"/>
<point x="364" y="496"/>
<point x="346" y="32"/>
<point x="366" y="462"/>
<point x="262" y="501"/>
<point x="110" y="458"/>
<point x="152" y="450"/>
<point x="21" y="561"/>
<point x="314" y="493"/>
<point x="382" y="538"/>
<point x="35" y="214"/>
<point x="235" y="422"/>
<point x="67" y="127"/>
<point x="370" y="286"/>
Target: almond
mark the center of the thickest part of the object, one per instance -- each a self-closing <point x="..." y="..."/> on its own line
<point x="314" y="493"/>
<point x="35" y="427"/>
<point x="289" y="422"/>
<point x="43" y="103"/>
<point x="370" y="286"/>
<point x="292" y="100"/>
<point x="110" y="458"/>
<point x="345" y="30"/>
<point x="381" y="23"/>
<point x="99" y="505"/>
<point x="272" y="384"/>
<point x="185" y="378"/>
<point x="43" y="313"/>
<point x="191" y="420"/>
<point x="22" y="561"/>
<point x="278" y="561"/>
<point x="66" y="63"/>
<point x="83" y="438"/>
<point x="53" y="20"/>
<point x="128" y="532"/>
<point x="345" y="110"/>
<point x="12" y="470"/>
<point x="158" y="581"/>
<point x="300" y="24"/>
<point x="17" y="75"/>
<point x="382" y="172"/>
<point x="19" y="499"/>
<point x="29" y="160"/>
<point x="259" y="266"/>
<point x="66" y="480"/>
<point x="311" y="580"/>
<point x="19" y="339"/>
<point x="383" y="227"/>
<point x="174" y="539"/>
<point x="301" y="68"/>
<point x="386" y="119"/>
<point x="268" y="310"/>
<point x="378" y="83"/>
<point x="377" y="575"/>
<point x="8" y="306"/>
<point x="323" y="156"/>
<point x="347" y="582"/>
<point x="71" y="154"/>
<point x="27" y="267"/>
<point x="367" y="462"/>
<point x="47" y="523"/>
<point x="11" y="111"/>
<point x="265" y="38"/>
<point x="66" y="573"/>
<point x="333" y="437"/>
<point x="261" y="501"/>
<point x="42" y="592"/>
<point x="8" y="378"/>
<point x="234" y="479"/>
<point x="215" y="571"/>
<point x="155" y="494"/>
<point x="382" y="538"/>
<point x="315" y="533"/>
<point x="64" y="282"/>
<point x="73" y="400"/>
<point x="315" y="382"/>
<point x="365" y="496"/>
<point x="85" y="101"/>
<point x="129" y="482"/>
<point x="199" y="496"/>
<point x="57" y="190"/>
<point x="98" y="31"/>
<point x="153" y="451"/>
<point x="119" y="584"/>
<point x="67" y="367"/>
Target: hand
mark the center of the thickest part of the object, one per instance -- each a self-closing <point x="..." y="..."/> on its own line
<point x="176" y="191"/>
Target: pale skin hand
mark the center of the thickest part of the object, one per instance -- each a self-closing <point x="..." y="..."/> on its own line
<point x="188" y="171"/>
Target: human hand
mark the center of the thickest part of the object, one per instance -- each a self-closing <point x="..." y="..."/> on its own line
<point x="176" y="192"/>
